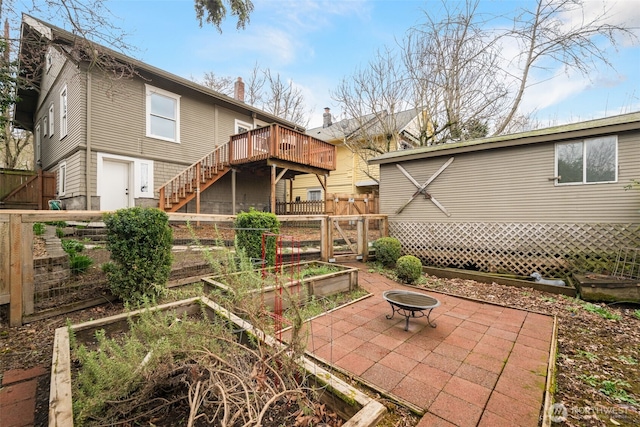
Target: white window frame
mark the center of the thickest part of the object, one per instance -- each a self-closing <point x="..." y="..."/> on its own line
<point x="240" y="124"/>
<point x="584" y="162"/>
<point x="51" y="120"/>
<point x="38" y="143"/>
<point x="62" y="178"/>
<point x="64" y="106"/>
<point x="45" y="126"/>
<point x="139" y="166"/>
<point x="150" y="90"/>
<point x="311" y="191"/>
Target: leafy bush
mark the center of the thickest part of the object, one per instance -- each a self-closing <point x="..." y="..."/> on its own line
<point x="249" y="229"/>
<point x="408" y="268"/>
<point x="140" y="242"/>
<point x="38" y="228"/>
<point x="388" y="250"/>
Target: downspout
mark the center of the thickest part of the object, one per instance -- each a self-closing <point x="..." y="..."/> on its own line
<point x="88" y="139"/>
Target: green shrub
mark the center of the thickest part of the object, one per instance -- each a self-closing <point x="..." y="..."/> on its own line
<point x="408" y="268"/>
<point x="38" y="228"/>
<point x="388" y="250"/>
<point x="250" y="226"/>
<point x="59" y="233"/>
<point x="140" y="242"/>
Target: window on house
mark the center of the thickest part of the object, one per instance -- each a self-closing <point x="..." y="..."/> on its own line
<point x="63" y="112"/>
<point x="589" y="161"/>
<point x="45" y="126"/>
<point x="62" y="179"/>
<point x="144" y="178"/>
<point x="163" y="114"/>
<point x="242" y="126"/>
<point x="314" y="194"/>
<point x="36" y="132"/>
<point x="51" y="119"/>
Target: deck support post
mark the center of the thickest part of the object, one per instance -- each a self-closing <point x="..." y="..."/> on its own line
<point x="233" y="191"/>
<point x="273" y="189"/>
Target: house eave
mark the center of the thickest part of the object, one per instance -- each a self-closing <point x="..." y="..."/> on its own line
<point x="51" y="32"/>
<point x="608" y="125"/>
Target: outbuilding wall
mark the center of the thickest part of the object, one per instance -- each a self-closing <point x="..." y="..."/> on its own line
<point x="507" y="214"/>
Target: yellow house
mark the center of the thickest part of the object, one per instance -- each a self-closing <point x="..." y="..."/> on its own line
<point x="356" y="141"/>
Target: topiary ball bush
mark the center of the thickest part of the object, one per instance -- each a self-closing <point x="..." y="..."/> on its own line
<point x="408" y="268"/>
<point x="140" y="241"/>
<point x="388" y="250"/>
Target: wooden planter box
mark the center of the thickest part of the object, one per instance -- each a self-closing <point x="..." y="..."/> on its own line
<point x="355" y="407"/>
<point x="599" y="287"/>
<point x="319" y="286"/>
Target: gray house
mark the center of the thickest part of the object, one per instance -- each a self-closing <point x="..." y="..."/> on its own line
<point x="548" y="200"/>
<point x="124" y="133"/>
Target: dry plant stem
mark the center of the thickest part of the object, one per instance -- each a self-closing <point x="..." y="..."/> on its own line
<point x="194" y="403"/>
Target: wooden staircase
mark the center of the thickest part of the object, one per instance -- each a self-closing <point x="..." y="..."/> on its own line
<point x="191" y="182"/>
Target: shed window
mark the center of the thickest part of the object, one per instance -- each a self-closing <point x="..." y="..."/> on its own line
<point x="163" y="114"/>
<point x="589" y="161"/>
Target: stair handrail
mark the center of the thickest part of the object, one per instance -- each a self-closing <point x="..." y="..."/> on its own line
<point x="221" y="160"/>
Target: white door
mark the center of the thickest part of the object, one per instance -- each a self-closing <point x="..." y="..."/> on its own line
<point x="116" y="184"/>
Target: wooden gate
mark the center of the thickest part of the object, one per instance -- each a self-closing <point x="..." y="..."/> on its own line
<point x="348" y="236"/>
<point x="351" y="204"/>
<point x="27" y="190"/>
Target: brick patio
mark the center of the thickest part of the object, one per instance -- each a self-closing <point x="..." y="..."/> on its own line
<point x="483" y="365"/>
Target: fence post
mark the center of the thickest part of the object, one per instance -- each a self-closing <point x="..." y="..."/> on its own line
<point x="15" y="275"/>
<point x="27" y="269"/>
<point x="324" y="238"/>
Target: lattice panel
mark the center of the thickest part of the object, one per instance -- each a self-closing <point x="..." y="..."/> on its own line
<point x="516" y="248"/>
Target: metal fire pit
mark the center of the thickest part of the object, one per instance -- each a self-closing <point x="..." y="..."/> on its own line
<point x="410" y="304"/>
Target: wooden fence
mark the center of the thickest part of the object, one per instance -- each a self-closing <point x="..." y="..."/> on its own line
<point x="20" y="189"/>
<point x="335" y="204"/>
<point x="17" y="287"/>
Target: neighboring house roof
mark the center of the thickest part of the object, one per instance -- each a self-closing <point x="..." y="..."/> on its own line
<point x="614" y="124"/>
<point x="346" y="128"/>
<point x="28" y="97"/>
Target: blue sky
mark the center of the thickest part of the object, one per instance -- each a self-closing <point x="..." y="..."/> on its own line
<point x="316" y="43"/>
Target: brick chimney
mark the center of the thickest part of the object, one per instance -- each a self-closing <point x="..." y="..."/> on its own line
<point x="326" y="118"/>
<point x="238" y="90"/>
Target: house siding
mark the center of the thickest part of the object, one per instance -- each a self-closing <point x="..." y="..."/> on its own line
<point x="511" y="185"/>
<point x="53" y="148"/>
<point x="339" y="181"/>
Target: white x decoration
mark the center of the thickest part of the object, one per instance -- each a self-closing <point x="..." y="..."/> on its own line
<point x="422" y="189"/>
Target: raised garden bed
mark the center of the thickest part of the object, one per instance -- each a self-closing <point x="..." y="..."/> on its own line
<point x="335" y="279"/>
<point x="602" y="287"/>
<point x="453" y="273"/>
<point x="353" y="406"/>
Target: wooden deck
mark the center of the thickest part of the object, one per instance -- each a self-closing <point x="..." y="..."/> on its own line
<point x="292" y="151"/>
<point x="277" y="142"/>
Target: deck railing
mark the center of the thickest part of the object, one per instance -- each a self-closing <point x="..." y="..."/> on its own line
<point x="282" y="143"/>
